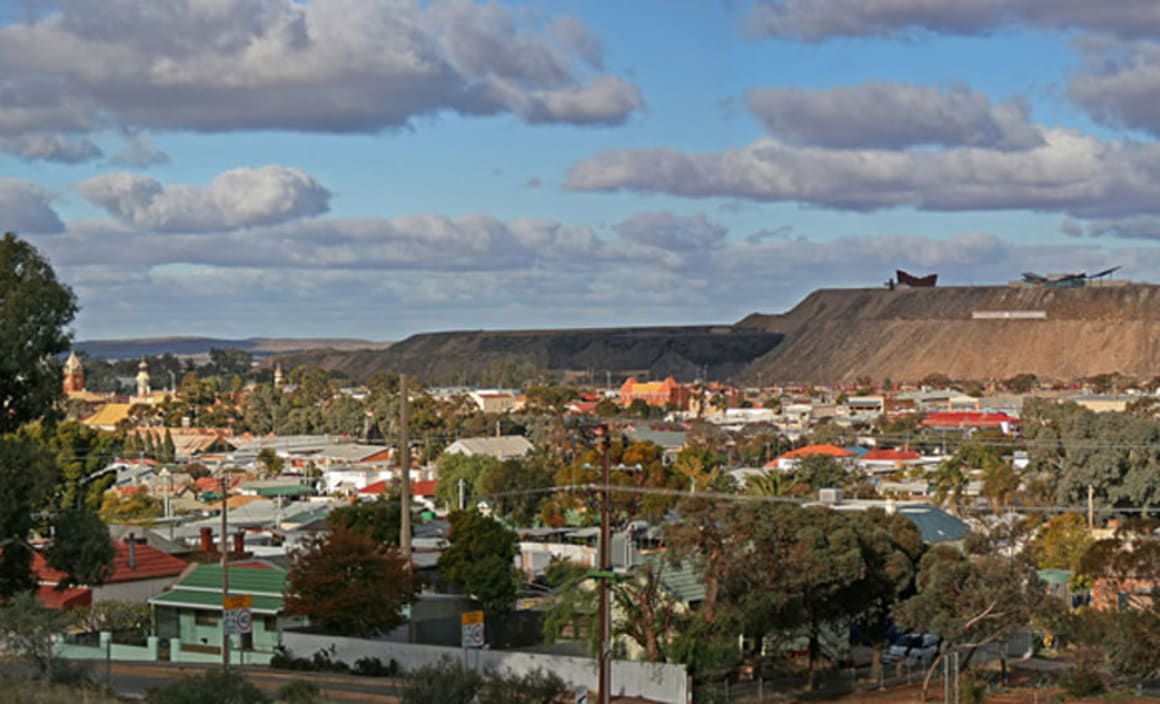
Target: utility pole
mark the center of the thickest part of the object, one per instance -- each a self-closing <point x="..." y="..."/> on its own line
<point x="404" y="471"/>
<point x="225" y="574"/>
<point x="606" y="571"/>
<point x="1091" y="508"/>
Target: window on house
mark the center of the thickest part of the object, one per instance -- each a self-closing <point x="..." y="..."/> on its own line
<point x="206" y="618"/>
<point x="270" y="623"/>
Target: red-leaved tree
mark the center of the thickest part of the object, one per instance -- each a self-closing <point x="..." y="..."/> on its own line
<point x="350" y="584"/>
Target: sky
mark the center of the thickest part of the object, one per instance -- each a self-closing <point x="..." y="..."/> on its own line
<point x="379" y="168"/>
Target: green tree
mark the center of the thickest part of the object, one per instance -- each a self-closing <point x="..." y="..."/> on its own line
<point x="378" y="519"/>
<point x="35" y="311"/>
<point x="1061" y="543"/>
<point x="26" y="477"/>
<point x="607" y="408"/>
<point x="271" y="462"/>
<point x="479" y="556"/>
<point x="209" y="687"/>
<point x="27" y="630"/>
<point x="350" y="584"/>
<point x="81" y="548"/>
<point x="950" y="484"/>
<point x="453" y="467"/>
<point x="970" y="602"/>
<point x="79" y="453"/>
<point x="512" y="487"/>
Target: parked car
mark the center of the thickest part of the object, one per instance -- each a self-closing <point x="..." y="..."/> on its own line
<point x="915" y="649"/>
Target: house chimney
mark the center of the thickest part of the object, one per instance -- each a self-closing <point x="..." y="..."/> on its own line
<point x="239" y="542"/>
<point x="207" y="539"/>
<point x="132" y="551"/>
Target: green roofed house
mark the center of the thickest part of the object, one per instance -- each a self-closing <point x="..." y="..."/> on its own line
<point x="190" y="614"/>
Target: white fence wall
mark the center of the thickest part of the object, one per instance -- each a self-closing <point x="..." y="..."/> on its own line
<point x="657" y="681"/>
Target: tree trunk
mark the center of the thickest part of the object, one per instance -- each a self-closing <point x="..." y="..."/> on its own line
<point x="813" y="672"/>
<point x="942" y="650"/>
<point x="876" y="665"/>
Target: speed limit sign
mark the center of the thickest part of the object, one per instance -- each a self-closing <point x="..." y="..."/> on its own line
<point x="244" y="622"/>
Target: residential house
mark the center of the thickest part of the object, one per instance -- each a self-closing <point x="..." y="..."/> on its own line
<point x="494" y="400"/>
<point x="139" y="572"/>
<point x="502" y="447"/>
<point x="191" y="612"/>
<point x="789" y="461"/>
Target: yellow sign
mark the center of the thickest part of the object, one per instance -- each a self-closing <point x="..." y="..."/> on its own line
<point x="472" y="617"/>
<point x="238" y="601"/>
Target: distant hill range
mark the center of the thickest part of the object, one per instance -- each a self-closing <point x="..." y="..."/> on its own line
<point x="478" y="356"/>
<point x="976" y="332"/>
<point x="200" y="346"/>
<point x="833" y="335"/>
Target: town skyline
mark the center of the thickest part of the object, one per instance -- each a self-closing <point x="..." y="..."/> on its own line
<point x="375" y="170"/>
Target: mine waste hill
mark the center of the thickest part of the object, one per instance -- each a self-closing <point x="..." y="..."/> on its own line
<point x="481" y="356"/>
<point x="977" y="332"/>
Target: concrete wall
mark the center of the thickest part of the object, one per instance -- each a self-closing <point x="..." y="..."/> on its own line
<point x="114" y="651"/>
<point x="660" y="682"/>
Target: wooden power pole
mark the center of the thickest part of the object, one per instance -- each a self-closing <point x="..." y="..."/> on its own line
<point x="606" y="573"/>
<point x="404" y="471"/>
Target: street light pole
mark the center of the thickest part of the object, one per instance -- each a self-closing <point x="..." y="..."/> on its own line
<point x="606" y="571"/>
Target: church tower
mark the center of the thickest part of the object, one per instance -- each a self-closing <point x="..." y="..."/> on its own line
<point x="74" y="374"/>
<point x="143" y="379"/>
<point x="277" y="376"/>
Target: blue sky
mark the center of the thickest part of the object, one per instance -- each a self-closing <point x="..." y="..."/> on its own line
<point x="374" y="169"/>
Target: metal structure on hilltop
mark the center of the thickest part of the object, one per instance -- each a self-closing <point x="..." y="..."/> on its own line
<point x="1076" y="280"/>
<point x="912" y="281"/>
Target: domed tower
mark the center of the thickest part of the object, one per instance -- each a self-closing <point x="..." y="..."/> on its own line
<point x="277" y="376"/>
<point x="74" y="374"/>
<point x="143" y="379"/>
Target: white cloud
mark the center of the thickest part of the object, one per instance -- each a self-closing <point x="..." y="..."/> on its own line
<point x="816" y="20"/>
<point x="1118" y="83"/>
<point x="139" y="152"/>
<point x="27" y="208"/>
<point x="50" y="147"/>
<point x="1070" y="173"/>
<point x="315" y="66"/>
<point x="235" y="199"/>
<point x="892" y="115"/>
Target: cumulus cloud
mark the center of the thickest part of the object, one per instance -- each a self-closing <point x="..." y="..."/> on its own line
<point x="333" y="66"/>
<point x="1141" y="227"/>
<point x="479" y="271"/>
<point x="50" y="147"/>
<point x="139" y="152"/>
<point x="235" y="199"/>
<point x="891" y="116"/>
<point x="27" y="208"/>
<point x="1070" y="173"/>
<point x="1118" y="83"/>
<point x="816" y="20"/>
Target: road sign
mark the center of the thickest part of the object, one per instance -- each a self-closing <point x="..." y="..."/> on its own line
<point x="238" y="601"/>
<point x="236" y="613"/>
<point x="472" y="623"/>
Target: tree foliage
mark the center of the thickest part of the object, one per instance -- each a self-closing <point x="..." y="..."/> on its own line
<point x="35" y="311"/>
<point x="970" y="602"/>
<point x="379" y="519"/>
<point x="350" y="584"/>
<point x="479" y="556"/>
<point x="81" y="548"/>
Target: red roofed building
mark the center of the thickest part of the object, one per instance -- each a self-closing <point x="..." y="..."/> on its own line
<point x="885" y="460"/>
<point x="789" y="460"/>
<point x="139" y="573"/>
<point x="654" y="393"/>
<point x="972" y="421"/>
